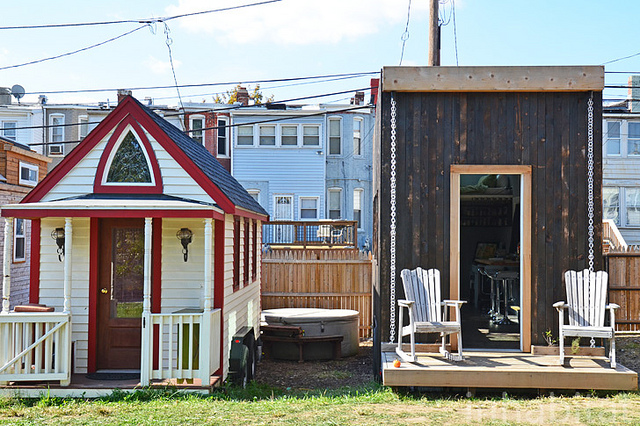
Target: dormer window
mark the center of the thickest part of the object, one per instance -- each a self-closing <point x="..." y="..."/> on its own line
<point x="129" y="164"/>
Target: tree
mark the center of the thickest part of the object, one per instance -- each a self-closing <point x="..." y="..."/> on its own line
<point x="231" y="96"/>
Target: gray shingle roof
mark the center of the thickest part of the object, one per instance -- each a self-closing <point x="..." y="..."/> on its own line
<point x="208" y="164"/>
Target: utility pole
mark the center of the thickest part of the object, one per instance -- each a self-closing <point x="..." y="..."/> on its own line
<point x="434" y="34"/>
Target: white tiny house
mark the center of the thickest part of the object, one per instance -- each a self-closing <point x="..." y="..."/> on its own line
<point x="148" y="251"/>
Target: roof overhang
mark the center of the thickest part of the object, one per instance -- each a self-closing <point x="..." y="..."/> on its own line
<point x="121" y="207"/>
<point x="493" y="79"/>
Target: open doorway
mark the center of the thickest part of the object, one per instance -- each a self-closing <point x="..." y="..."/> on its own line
<point x="490" y="249"/>
<point x="490" y="211"/>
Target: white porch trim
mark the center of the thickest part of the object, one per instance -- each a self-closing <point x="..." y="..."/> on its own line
<point x="6" y="265"/>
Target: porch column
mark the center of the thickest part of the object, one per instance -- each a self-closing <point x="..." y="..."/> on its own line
<point x="208" y="259"/>
<point x="6" y="265"/>
<point x="206" y="335"/>
<point x="68" y="251"/>
<point x="146" y="362"/>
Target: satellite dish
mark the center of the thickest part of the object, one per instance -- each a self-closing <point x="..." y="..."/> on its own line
<point x="17" y="91"/>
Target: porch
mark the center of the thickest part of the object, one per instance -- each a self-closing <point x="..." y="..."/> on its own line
<point x="40" y="348"/>
<point x="505" y="370"/>
<point x="83" y="387"/>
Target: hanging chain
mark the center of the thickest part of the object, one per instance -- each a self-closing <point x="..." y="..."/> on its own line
<point x="590" y="167"/>
<point x="392" y="298"/>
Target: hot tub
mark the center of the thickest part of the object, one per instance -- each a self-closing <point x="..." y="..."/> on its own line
<point x="316" y="322"/>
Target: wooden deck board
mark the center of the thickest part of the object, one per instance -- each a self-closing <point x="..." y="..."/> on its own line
<point x="508" y="370"/>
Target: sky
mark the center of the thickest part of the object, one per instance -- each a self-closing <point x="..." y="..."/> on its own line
<point x="295" y="38"/>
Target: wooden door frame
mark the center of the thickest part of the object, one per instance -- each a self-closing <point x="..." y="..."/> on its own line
<point x="94" y="253"/>
<point x="525" y="235"/>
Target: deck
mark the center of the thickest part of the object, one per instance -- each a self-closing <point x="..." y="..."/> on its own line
<point x="506" y="370"/>
<point x="83" y="387"/>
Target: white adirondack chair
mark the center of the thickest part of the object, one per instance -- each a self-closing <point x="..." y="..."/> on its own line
<point x="427" y="312"/>
<point x="586" y="305"/>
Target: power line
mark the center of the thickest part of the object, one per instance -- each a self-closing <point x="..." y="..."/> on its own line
<point x="271" y="120"/>
<point x="405" y="35"/>
<point x="620" y="59"/>
<point x="135" y="21"/>
<point x="229" y="108"/>
<point x="228" y="83"/>
<point x="37" y="61"/>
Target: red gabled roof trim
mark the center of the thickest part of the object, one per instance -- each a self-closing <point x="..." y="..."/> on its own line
<point x="75" y="156"/>
<point x="131" y="188"/>
<point x="185" y="162"/>
<point x="130" y="107"/>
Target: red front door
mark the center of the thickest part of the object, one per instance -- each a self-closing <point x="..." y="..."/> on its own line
<point x="120" y="292"/>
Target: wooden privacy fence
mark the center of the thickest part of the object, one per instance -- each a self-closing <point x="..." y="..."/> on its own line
<point x="623" y="265"/>
<point x="331" y="279"/>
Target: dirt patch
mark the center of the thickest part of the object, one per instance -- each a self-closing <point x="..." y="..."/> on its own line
<point x="628" y="352"/>
<point x="350" y="371"/>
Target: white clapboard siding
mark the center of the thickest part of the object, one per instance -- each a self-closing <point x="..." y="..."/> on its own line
<point x="237" y="304"/>
<point x="51" y="281"/>
<point x="182" y="281"/>
<point x="176" y="181"/>
<point x="79" y="181"/>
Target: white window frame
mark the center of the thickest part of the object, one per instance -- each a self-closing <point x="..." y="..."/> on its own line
<point x="357" y="135"/>
<point x="16" y="237"/>
<point x="329" y="137"/>
<point x="340" y="207"/>
<point x="281" y="136"/>
<point x="629" y="139"/>
<point x="275" y="203"/>
<point x="112" y="154"/>
<point x="30" y="167"/>
<point x="606" y="138"/>
<point x="223" y="124"/>
<point x="274" y="136"/>
<point x="192" y="133"/>
<point x="238" y="135"/>
<point x="317" y="201"/>
<point x="83" y="126"/>
<point x="255" y="193"/>
<point x="359" y="191"/>
<point x="56" y="145"/>
<point x="13" y="130"/>
<point x="305" y="126"/>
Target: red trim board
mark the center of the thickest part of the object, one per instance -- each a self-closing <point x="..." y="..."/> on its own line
<point x="34" y="267"/>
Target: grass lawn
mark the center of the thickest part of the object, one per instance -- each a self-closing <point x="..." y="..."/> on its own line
<point x="366" y="406"/>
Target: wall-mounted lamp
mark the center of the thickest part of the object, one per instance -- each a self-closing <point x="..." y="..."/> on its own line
<point x="185" y="235"/>
<point x="58" y="235"/>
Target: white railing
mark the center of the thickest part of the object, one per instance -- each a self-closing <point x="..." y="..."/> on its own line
<point x="35" y="346"/>
<point x="183" y="345"/>
<point x="612" y="237"/>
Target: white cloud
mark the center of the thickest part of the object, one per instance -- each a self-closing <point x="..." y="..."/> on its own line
<point x="294" y="22"/>
<point x="157" y="66"/>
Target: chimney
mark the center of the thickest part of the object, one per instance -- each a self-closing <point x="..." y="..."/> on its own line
<point x="242" y="96"/>
<point x="375" y="83"/>
<point x="634" y="93"/>
<point x="123" y="93"/>
<point x="5" y="96"/>
<point x="358" y="99"/>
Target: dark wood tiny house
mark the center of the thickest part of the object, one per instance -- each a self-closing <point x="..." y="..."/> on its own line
<point x="461" y="123"/>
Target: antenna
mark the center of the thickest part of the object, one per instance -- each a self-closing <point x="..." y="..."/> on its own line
<point x="18" y="92"/>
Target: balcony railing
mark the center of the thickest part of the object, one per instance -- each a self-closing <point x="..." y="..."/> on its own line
<point x="324" y="233"/>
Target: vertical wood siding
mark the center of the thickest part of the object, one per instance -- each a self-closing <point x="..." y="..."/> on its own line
<point x="330" y="279"/>
<point x="436" y="130"/>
